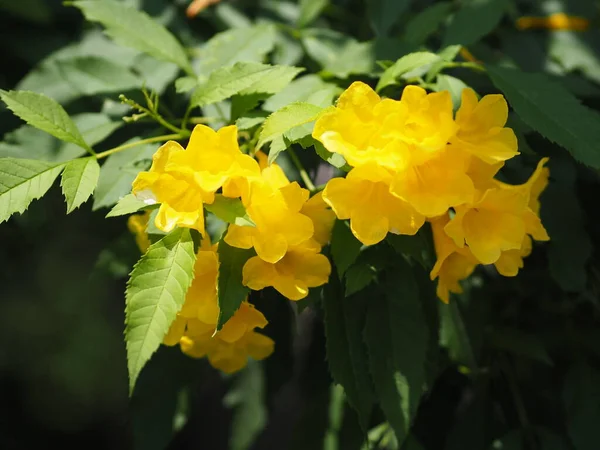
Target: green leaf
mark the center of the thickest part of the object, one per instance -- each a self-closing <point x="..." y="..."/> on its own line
<point x="247" y="44"/>
<point x="581" y="395"/>
<point x="406" y="64"/>
<point x="44" y="113"/>
<point x="383" y="14"/>
<point x="454" y="336"/>
<point x="155" y="293"/>
<point x="520" y="343"/>
<point x="453" y="85"/>
<point x="231" y="291"/>
<point x="119" y="171"/>
<point x="185" y="84"/>
<point x="552" y="111"/>
<point x="344" y="247"/>
<point x="136" y="29"/>
<point x="335" y="159"/>
<point x="576" y="51"/>
<point x="424" y="24"/>
<point x="22" y="181"/>
<point x="346" y="352"/>
<point x="285" y="119"/>
<point x="127" y="205"/>
<point x="310" y="10"/>
<point x="396" y="335"/>
<point x="230" y="210"/>
<point x="309" y="89"/>
<point x="245" y="79"/>
<point x="92" y="75"/>
<point x="358" y="277"/>
<point x="78" y="181"/>
<point x="247" y="397"/>
<point x="473" y="21"/>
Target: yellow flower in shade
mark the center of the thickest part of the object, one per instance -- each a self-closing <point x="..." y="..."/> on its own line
<point x="181" y="200"/>
<point x="429" y="124"/>
<point x="228" y="357"/>
<point x="364" y="198"/>
<point x="363" y="128"/>
<point x="436" y="185"/>
<point x="137" y="224"/>
<point x="481" y="130"/>
<point x="511" y="261"/>
<point x="499" y="219"/>
<point x="556" y="21"/>
<point x="322" y="216"/>
<point x="301" y="268"/>
<point x="453" y="263"/>
<point x="274" y="205"/>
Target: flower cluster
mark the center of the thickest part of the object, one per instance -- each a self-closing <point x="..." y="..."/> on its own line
<point x="289" y="230"/>
<point x="414" y="161"/>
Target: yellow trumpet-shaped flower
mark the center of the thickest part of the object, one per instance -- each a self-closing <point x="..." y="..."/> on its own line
<point x="301" y="268"/>
<point x="556" y="21"/>
<point x="274" y="205"/>
<point x="363" y="128"/>
<point x="322" y="216"/>
<point x="453" y="264"/>
<point x="137" y="224"/>
<point x="364" y="198"/>
<point x="436" y="185"/>
<point x="511" y="261"/>
<point x="499" y="219"/>
<point x="481" y="130"/>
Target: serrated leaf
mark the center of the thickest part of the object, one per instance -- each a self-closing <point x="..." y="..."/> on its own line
<point x="243" y="78"/>
<point x="92" y="75"/>
<point x="155" y="293"/>
<point x="396" y="335"/>
<point x="185" y="84"/>
<point x="383" y="14"/>
<point x="358" y="276"/>
<point x="473" y="21"/>
<point x="22" y="181"/>
<point x="309" y="89"/>
<point x="424" y="24"/>
<point x="119" y="171"/>
<point x="44" y="113"/>
<point x="344" y="247"/>
<point x="127" y="205"/>
<point x="231" y="291"/>
<point x="136" y="29"/>
<point x="285" y="119"/>
<point x="552" y="111"/>
<point x="247" y="44"/>
<point x="346" y="352"/>
<point x="230" y="210"/>
<point x="406" y="64"/>
<point x="78" y="181"/>
<point x="310" y="10"/>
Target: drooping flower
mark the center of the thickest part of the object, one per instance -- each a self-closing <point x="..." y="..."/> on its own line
<point x="364" y="198"/>
<point x="274" y="205"/>
<point x="322" y="216"/>
<point x="301" y="268"/>
<point x="453" y="263"/>
<point x="481" y="130"/>
<point x="511" y="261"/>
<point x="137" y="224"/>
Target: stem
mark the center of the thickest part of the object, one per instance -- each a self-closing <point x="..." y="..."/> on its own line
<point x="468" y="65"/>
<point x="186" y="117"/>
<point x="303" y="174"/>
<point x="168" y="126"/>
<point x="166" y="137"/>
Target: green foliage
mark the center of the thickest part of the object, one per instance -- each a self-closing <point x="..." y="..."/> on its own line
<point x="424" y="24"/>
<point x="230" y="210"/>
<point x="126" y="205"/>
<point x="383" y="14"/>
<point x="552" y="111"/>
<point x="473" y="21"/>
<point x="155" y="293"/>
<point x="285" y="119"/>
<point x="79" y="179"/>
<point x="43" y="113"/>
<point x="344" y="247"/>
<point x="231" y="291"/>
<point x="310" y="10"/>
<point x="137" y="30"/>
<point x="22" y="181"/>
<point x="405" y="66"/>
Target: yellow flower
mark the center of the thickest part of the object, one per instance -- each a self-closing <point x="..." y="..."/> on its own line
<point x="453" y="264"/>
<point x="556" y="21"/>
<point x="436" y="185"/>
<point x="511" y="261"/>
<point x="301" y="268"/>
<point x="363" y="128"/>
<point x="137" y="224"/>
<point x="364" y="198"/>
<point x="183" y="180"/>
<point x="499" y="218"/>
<point x="481" y="129"/>
<point x="322" y="216"/>
<point x="274" y="205"/>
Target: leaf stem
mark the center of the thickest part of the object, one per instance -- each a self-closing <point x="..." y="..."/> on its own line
<point x="303" y="174"/>
<point x="467" y="65"/>
<point x="166" y="137"/>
